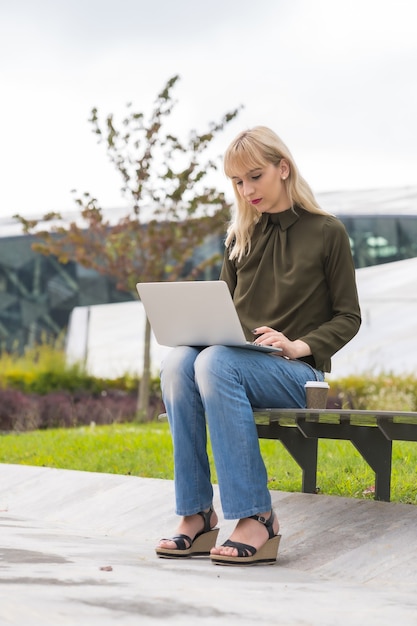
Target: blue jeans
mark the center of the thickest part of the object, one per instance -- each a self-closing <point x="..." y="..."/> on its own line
<point x="217" y="387"/>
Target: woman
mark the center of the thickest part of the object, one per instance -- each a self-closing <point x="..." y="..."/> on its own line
<point x="289" y="269"/>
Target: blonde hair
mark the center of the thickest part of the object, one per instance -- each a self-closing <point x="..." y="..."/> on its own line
<point x="252" y="149"/>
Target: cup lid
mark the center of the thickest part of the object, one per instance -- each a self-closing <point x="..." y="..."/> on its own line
<point x="317" y="383"/>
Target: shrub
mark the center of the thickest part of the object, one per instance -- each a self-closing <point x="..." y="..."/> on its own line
<point x="18" y="411"/>
<point x="385" y="392"/>
<point x="108" y="408"/>
<point x="56" y="410"/>
<point x="61" y="409"/>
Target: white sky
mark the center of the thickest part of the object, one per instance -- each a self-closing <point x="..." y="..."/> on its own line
<point x="336" y="79"/>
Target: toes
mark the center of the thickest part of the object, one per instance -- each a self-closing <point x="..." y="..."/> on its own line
<point x="224" y="551"/>
<point x="169" y="544"/>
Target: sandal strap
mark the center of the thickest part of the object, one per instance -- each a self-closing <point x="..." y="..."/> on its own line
<point x="268" y="523"/>
<point x="180" y="540"/>
<point x="206" y="515"/>
<point x="242" y="548"/>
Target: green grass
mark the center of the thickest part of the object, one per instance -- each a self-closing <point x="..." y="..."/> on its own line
<point x="137" y="449"/>
<point x="146" y="450"/>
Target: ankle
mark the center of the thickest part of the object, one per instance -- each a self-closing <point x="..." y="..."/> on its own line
<point x="269" y="520"/>
<point x="263" y="518"/>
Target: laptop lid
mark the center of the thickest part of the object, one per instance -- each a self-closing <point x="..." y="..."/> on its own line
<point x="194" y="313"/>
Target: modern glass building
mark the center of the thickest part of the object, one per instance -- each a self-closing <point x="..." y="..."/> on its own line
<point x="382" y="224"/>
<point x="37" y="294"/>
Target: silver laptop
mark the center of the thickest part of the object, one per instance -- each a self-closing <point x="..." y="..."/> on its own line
<point x="194" y="313"/>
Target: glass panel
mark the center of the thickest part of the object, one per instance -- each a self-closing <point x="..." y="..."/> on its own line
<point x="381" y="239"/>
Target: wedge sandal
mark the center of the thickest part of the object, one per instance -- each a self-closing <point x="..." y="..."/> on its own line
<point x="186" y="547"/>
<point x="248" y="555"/>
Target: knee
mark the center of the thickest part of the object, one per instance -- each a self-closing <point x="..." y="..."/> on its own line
<point x="177" y="368"/>
<point x="177" y="362"/>
<point x="211" y="362"/>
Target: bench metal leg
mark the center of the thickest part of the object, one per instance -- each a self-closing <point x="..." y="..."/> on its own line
<point x="302" y="450"/>
<point x="377" y="452"/>
<point x="370" y="442"/>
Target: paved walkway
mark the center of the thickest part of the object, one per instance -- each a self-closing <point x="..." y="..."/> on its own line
<point x="77" y="549"/>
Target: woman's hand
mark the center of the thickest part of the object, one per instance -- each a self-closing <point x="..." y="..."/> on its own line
<point x="292" y="349"/>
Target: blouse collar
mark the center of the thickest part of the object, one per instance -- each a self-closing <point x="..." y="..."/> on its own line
<point x="285" y="219"/>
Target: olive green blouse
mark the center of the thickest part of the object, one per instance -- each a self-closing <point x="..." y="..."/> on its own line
<point x="299" y="278"/>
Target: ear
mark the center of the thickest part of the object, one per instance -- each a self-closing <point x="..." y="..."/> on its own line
<point x="284" y="169"/>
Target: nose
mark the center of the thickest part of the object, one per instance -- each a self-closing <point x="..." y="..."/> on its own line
<point x="248" y="189"/>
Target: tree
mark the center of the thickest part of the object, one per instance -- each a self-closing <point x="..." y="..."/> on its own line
<point x="171" y="208"/>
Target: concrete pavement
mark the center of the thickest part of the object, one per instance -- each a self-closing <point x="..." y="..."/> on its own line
<point x="77" y="548"/>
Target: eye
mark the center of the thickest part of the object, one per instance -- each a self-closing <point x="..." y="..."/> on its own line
<point x="256" y="177"/>
<point x="238" y="183"/>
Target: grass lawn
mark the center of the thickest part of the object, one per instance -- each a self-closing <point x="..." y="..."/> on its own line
<point x="146" y="450"/>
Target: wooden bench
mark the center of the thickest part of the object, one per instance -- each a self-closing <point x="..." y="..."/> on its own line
<point x="371" y="432"/>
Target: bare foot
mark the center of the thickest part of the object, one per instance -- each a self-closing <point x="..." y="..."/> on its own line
<point x="190" y="525"/>
<point x="248" y="531"/>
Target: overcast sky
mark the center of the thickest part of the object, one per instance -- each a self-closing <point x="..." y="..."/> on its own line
<point x="336" y="79"/>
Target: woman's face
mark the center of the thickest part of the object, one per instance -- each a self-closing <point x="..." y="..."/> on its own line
<point x="264" y="187"/>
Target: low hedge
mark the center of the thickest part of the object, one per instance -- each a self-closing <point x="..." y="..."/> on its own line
<point x="62" y="409"/>
<point x="38" y="389"/>
<point x="384" y="391"/>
